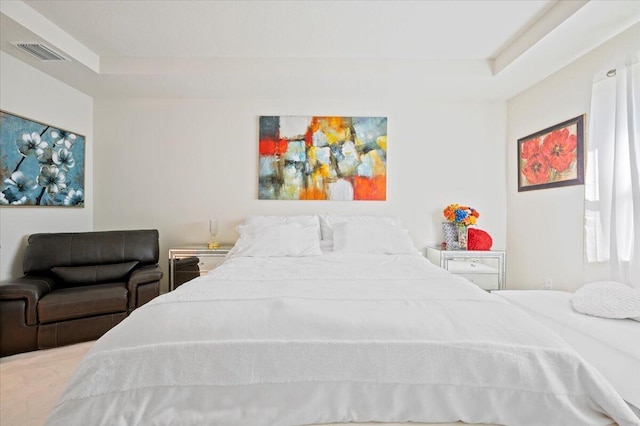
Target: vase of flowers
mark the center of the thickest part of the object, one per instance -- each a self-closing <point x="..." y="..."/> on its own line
<point x="462" y="217"/>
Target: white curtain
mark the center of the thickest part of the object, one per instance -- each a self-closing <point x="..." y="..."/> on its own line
<point x="612" y="181"/>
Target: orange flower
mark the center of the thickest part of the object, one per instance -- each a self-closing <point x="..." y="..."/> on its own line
<point x="450" y="212"/>
<point x="559" y="147"/>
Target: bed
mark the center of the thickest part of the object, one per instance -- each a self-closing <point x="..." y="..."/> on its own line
<point x="341" y="320"/>
<point x="610" y="345"/>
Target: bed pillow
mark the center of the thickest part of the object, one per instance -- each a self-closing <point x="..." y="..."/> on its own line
<point x="608" y="299"/>
<point x="328" y="221"/>
<point x="304" y="220"/>
<point x="277" y="239"/>
<point x="371" y="237"/>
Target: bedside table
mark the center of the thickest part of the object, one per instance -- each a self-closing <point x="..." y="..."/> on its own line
<point x="188" y="262"/>
<point x="486" y="269"/>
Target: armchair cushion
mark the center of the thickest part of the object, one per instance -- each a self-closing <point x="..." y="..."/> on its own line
<point x="79" y="302"/>
<point x="95" y="274"/>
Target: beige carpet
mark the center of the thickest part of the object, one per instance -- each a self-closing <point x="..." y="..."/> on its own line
<point x="30" y="383"/>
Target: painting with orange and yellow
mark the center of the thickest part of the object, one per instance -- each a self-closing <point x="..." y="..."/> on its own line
<point x="322" y="158"/>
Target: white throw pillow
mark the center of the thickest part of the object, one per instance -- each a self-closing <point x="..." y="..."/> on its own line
<point x="607" y="299"/>
<point x="278" y="239"/>
<point x="328" y="221"/>
<point x="371" y="237"/>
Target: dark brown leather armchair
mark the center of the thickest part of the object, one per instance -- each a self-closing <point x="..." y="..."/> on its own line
<point x="77" y="286"/>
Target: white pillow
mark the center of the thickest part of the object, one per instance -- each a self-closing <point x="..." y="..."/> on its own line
<point x="607" y="299"/>
<point x="328" y="221"/>
<point x="278" y="239"/>
<point x="371" y="237"/>
<point x="304" y="220"/>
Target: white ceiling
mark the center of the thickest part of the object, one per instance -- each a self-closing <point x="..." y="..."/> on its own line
<point x="315" y="29"/>
<point x="476" y="49"/>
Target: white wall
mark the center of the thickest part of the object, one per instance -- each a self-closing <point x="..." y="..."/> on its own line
<point x="171" y="164"/>
<point x="545" y="227"/>
<point x="30" y="93"/>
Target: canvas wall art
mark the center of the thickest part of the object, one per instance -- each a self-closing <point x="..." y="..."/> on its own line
<point x="40" y="165"/>
<point x="322" y="158"/>
<point x="552" y="157"/>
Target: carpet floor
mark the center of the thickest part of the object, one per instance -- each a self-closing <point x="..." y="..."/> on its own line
<point x="30" y="383"/>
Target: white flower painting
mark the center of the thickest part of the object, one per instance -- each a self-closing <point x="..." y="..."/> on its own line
<point x="40" y="165"/>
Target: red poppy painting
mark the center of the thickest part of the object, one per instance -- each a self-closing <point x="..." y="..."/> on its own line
<point x="552" y="157"/>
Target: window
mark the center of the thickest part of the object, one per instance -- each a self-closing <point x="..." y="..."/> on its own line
<point x="612" y="183"/>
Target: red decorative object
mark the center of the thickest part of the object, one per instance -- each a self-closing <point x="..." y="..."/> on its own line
<point x="479" y="239"/>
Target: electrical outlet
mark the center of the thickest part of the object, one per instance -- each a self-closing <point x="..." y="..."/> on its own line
<point x="547" y="284"/>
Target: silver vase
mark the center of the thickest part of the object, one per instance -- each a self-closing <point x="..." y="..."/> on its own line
<point x="450" y="231"/>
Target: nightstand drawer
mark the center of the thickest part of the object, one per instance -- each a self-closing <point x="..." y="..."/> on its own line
<point x="470" y="267"/>
<point x="484" y="281"/>
<point x="207" y="264"/>
<point x="486" y="269"/>
<point x="197" y="265"/>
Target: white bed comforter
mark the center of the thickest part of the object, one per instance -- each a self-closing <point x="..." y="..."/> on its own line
<point x="284" y="341"/>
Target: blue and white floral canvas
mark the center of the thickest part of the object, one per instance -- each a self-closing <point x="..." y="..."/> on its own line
<point x="40" y="165"/>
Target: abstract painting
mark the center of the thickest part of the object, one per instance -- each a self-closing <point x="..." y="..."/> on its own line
<point x="322" y="158"/>
<point x="40" y="165"/>
<point x="552" y="157"/>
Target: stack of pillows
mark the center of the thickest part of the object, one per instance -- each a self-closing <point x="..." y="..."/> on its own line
<point x="307" y="235"/>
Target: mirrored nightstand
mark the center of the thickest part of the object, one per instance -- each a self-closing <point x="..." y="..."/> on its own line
<point x="486" y="268"/>
<point x="189" y="262"/>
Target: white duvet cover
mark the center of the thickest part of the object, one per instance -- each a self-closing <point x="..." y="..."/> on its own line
<point x="334" y="338"/>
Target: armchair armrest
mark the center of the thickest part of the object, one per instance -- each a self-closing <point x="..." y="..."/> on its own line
<point x="31" y="288"/>
<point x="141" y="276"/>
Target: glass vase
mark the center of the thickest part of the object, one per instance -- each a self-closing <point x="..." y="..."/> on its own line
<point x="213" y="232"/>
<point x="463" y="236"/>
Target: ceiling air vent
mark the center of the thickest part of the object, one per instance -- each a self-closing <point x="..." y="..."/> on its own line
<point x="40" y="51"/>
